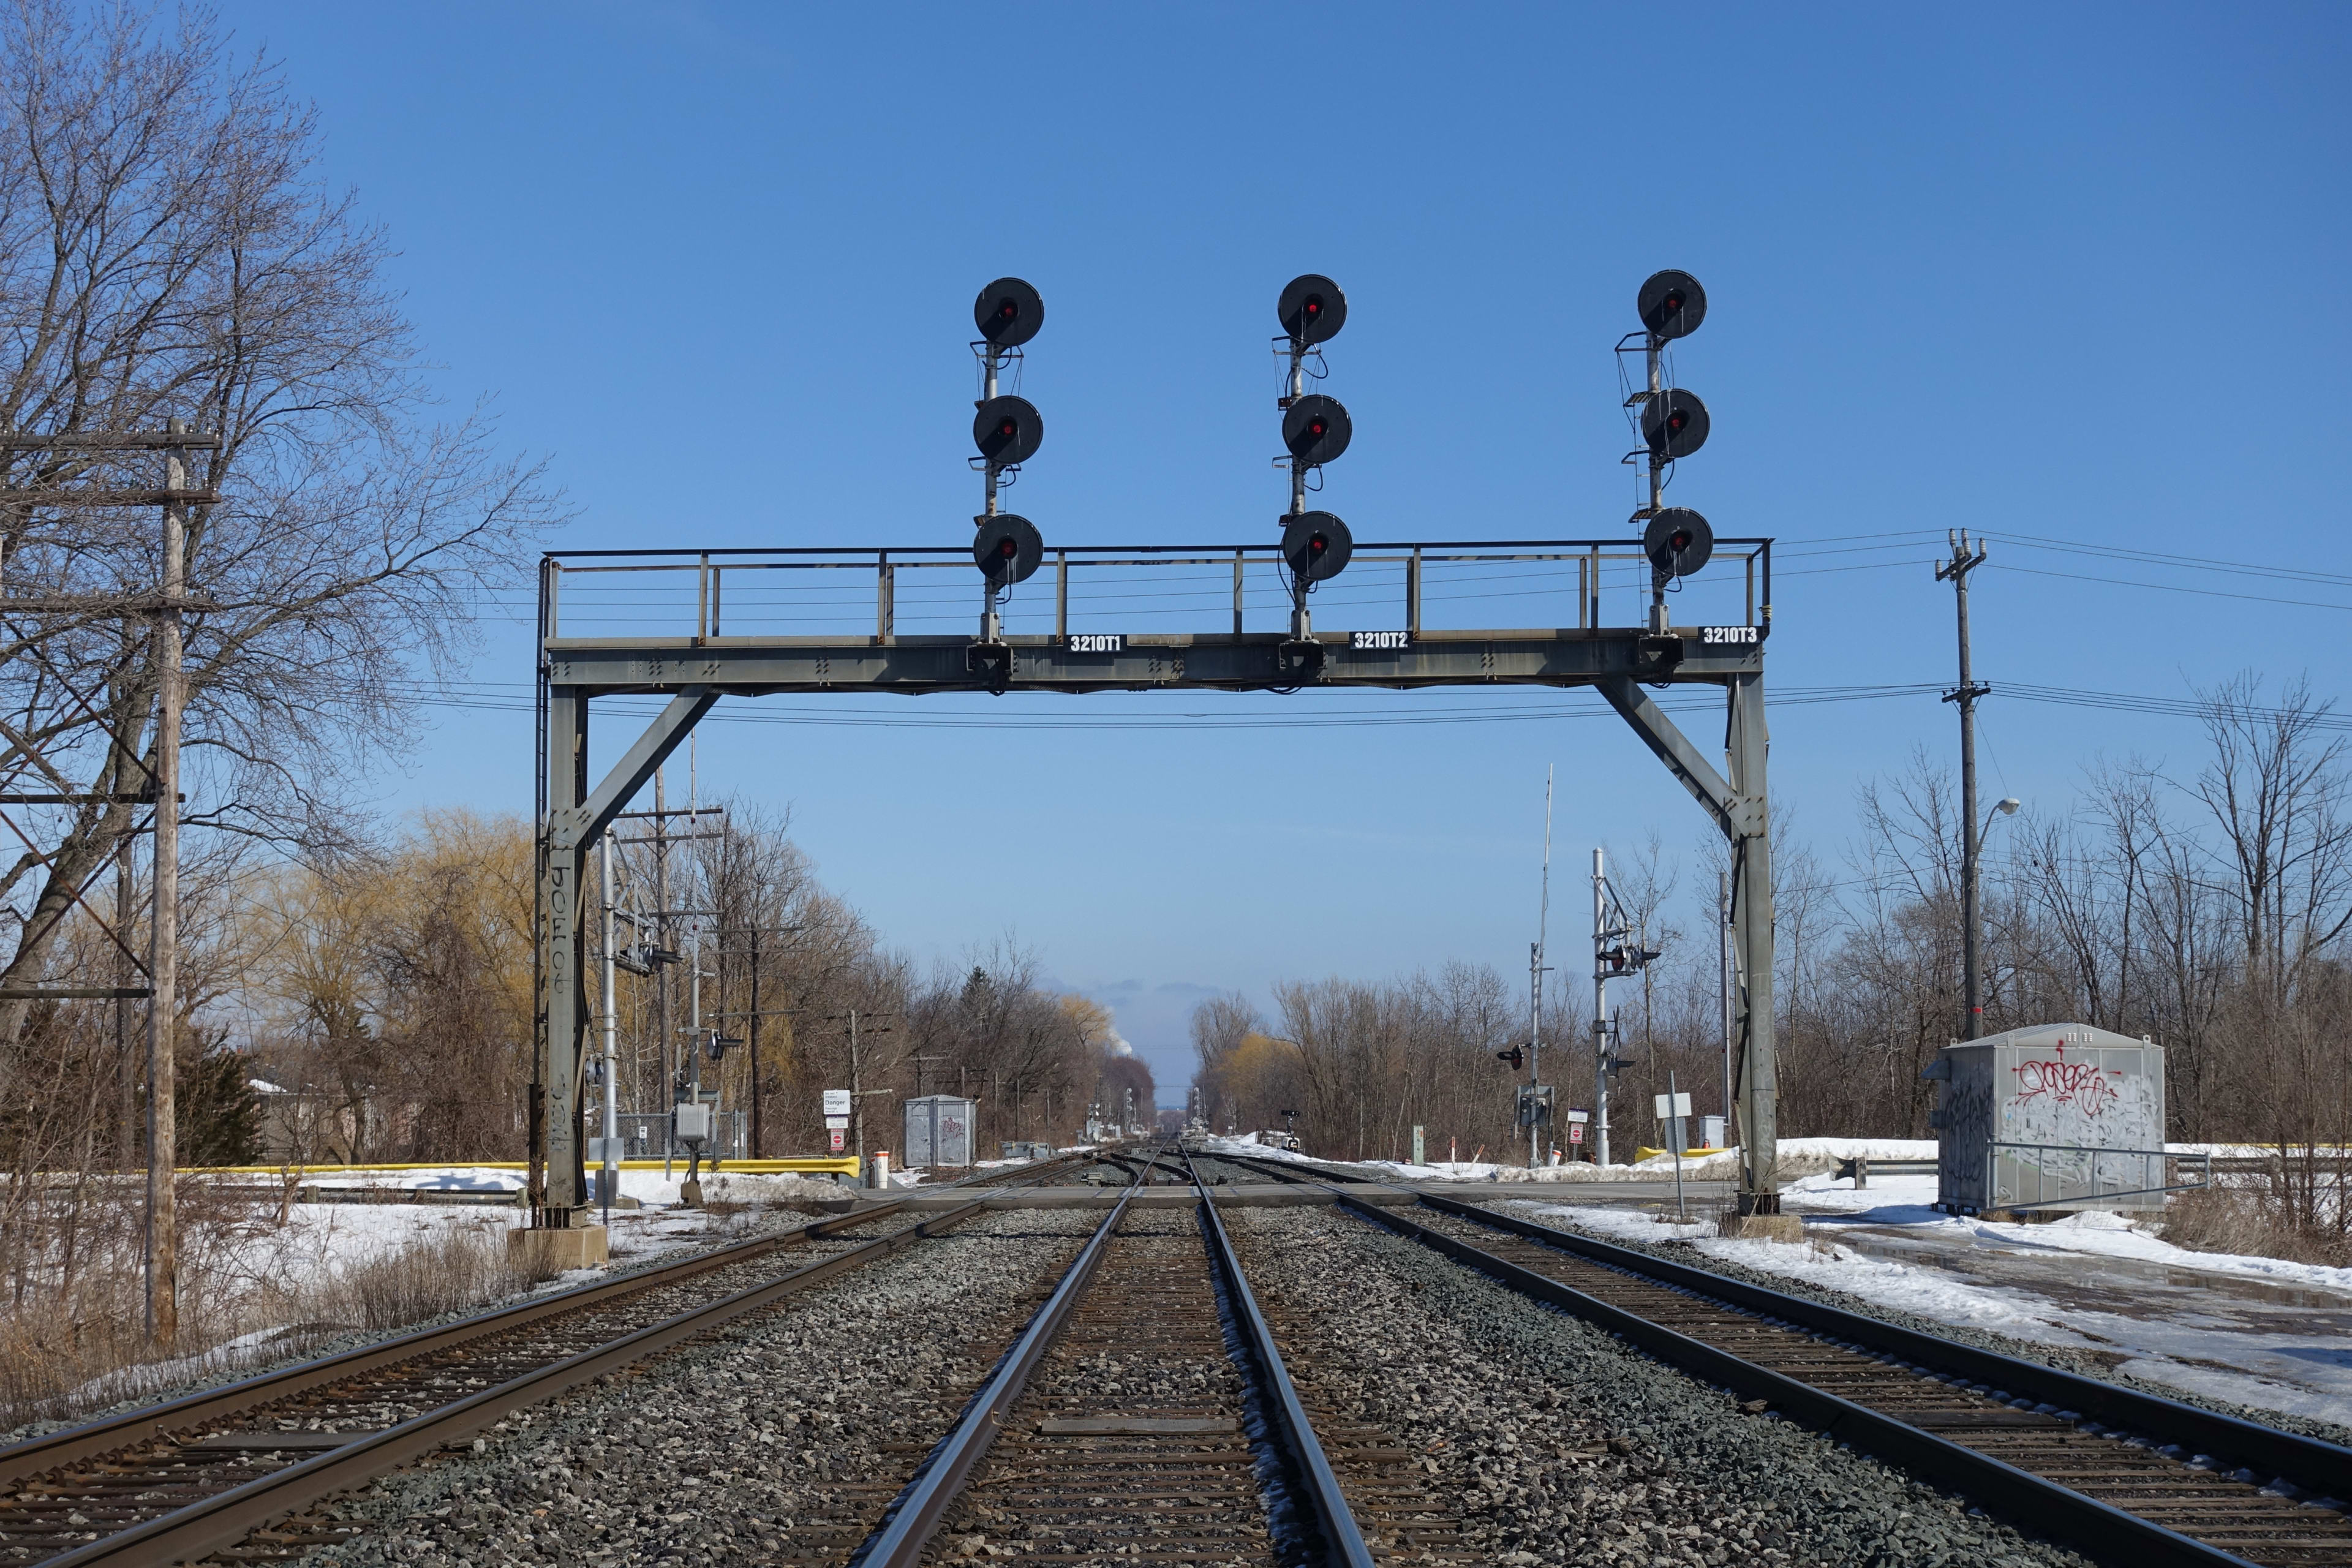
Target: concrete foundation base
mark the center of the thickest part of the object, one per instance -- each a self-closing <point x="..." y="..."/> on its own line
<point x="580" y="1246"/>
<point x="1783" y="1227"/>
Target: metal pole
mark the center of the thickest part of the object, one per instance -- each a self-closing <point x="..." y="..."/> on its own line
<point x="1658" y="497"/>
<point x="1600" y="1014"/>
<point x="1972" y="971"/>
<point x="126" y="1067"/>
<point x="164" y="960"/>
<point x="1677" y="1134"/>
<point x="608" y="1173"/>
<point x="856" y="1098"/>
<point x="661" y="969"/>
<point x="1536" y="974"/>
<point x="759" y="1141"/>
<point x="1723" y="986"/>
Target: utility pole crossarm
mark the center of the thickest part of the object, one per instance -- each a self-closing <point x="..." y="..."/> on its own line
<point x="1738" y="815"/>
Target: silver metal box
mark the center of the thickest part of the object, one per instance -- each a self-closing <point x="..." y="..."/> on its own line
<point x="2058" y="1116"/>
<point x="939" y="1131"/>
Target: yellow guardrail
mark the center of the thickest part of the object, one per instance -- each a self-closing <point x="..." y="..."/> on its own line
<point x="820" y="1164"/>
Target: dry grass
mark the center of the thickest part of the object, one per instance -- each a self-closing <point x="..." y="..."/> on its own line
<point x="73" y="1340"/>
<point x="2250" y="1222"/>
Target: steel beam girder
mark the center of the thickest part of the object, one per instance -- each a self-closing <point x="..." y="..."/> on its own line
<point x="1736" y="813"/>
<point x="752" y="666"/>
<point x="576" y="816"/>
<point x="1620" y="662"/>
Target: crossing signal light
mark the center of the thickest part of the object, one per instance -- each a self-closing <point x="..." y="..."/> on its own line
<point x="1316" y="547"/>
<point x="1317" y="429"/>
<point x="1008" y="313"/>
<point x="1517" y="1057"/>
<point x="1008" y="431"/>
<point x="1312" y="310"/>
<point x="1007" y="548"/>
<point x="1670" y="304"/>
<point x="1675" y="424"/>
<point x="1677" y="542"/>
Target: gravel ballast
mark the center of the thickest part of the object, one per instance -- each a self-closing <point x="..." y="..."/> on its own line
<point x="783" y="1434"/>
<point x="2087" y="1363"/>
<point x="1566" y="1445"/>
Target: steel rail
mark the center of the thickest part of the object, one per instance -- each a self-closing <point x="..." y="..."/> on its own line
<point x="2099" y="1529"/>
<point x="39" y="1456"/>
<point x="1343" y="1541"/>
<point x="212" y="1523"/>
<point x="917" y="1513"/>
<point x="2312" y="1464"/>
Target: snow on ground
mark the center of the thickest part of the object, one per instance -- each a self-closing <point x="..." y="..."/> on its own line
<point x="2258" y="1331"/>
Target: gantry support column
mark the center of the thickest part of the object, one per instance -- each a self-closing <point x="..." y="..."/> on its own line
<point x="576" y="818"/>
<point x="1746" y="742"/>
<point x="1739" y="807"/>
<point x="563" y="998"/>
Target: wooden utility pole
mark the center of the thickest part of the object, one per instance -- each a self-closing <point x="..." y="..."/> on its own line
<point x="1965" y="559"/>
<point x="164" y="959"/>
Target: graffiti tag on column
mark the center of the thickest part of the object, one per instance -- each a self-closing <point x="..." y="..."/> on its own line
<point x="2079" y="1085"/>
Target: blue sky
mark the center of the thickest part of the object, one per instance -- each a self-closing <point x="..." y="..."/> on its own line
<point x="2072" y="275"/>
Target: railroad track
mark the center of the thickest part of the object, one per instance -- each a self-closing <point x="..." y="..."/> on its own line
<point x="178" y="1481"/>
<point x="1142" y="1416"/>
<point x="2122" y="1475"/>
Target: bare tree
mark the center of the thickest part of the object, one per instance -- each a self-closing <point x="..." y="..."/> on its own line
<point x="167" y="251"/>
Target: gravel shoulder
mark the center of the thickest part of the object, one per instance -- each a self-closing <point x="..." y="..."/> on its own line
<point x="1566" y="1446"/>
<point x="276" y="1349"/>
<point x="782" y="1436"/>
<point x="2088" y="1364"/>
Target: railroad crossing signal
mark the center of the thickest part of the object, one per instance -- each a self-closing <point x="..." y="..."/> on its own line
<point x="1677" y="542"/>
<point x="1317" y="429"/>
<point x="1312" y="309"/>
<point x="1675" y="425"/>
<point x="1317" y="545"/>
<point x="1009" y="312"/>
<point x="1008" y="430"/>
<point x="1674" y="422"/>
<point x="1007" y="550"/>
<point x="1517" y="1057"/>
<point x="1670" y="304"/>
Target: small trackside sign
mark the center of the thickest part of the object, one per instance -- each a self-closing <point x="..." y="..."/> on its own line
<point x="1095" y="642"/>
<point x="1723" y="637"/>
<point x="1379" y="642"/>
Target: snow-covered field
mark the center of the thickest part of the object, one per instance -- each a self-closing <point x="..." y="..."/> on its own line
<point x="2258" y="1331"/>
